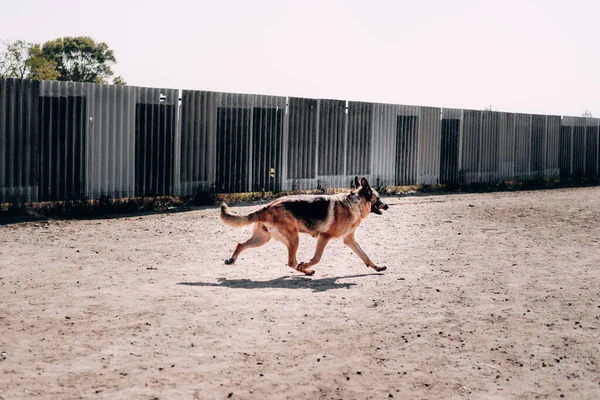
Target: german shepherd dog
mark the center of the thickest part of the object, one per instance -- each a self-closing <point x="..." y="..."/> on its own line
<point x="325" y="217"/>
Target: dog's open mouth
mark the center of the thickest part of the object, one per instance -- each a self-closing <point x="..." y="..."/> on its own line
<point x="378" y="206"/>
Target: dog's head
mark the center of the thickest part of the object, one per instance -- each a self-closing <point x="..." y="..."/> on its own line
<point x="370" y="195"/>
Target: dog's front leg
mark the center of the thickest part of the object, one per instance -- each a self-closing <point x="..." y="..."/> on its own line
<point x="321" y="243"/>
<point x="291" y="242"/>
<point x="351" y="242"/>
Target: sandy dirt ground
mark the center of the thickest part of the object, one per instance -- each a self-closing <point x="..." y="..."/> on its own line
<point x="493" y="296"/>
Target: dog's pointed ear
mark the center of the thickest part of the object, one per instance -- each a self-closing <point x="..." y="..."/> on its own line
<point x="365" y="188"/>
<point x="356" y="182"/>
<point x="364" y="184"/>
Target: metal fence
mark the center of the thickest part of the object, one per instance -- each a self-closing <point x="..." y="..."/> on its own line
<point x="61" y="140"/>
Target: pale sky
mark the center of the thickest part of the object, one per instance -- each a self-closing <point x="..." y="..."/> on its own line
<point x="515" y="55"/>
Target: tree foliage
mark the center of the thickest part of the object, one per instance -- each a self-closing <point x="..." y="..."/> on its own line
<point x="75" y="59"/>
<point x="118" y="80"/>
<point x="80" y="59"/>
<point x="12" y="59"/>
<point x="23" y="60"/>
<point x="40" y="68"/>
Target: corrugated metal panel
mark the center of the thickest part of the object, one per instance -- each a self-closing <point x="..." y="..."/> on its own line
<point x="198" y="147"/>
<point x="110" y="150"/>
<point x="63" y="139"/>
<point x="156" y="122"/>
<point x="332" y="128"/>
<point x="331" y="140"/>
<point x="598" y="153"/>
<point x="268" y="120"/>
<point x="234" y="119"/>
<point x="578" y="163"/>
<point x="566" y="151"/>
<point x="302" y="143"/>
<point x="84" y="140"/>
<point x="506" y="146"/>
<point x="231" y="141"/>
<point x="575" y="137"/>
<point x="591" y="147"/>
<point x="552" y="146"/>
<point x="428" y="169"/>
<point x="383" y="155"/>
<point x="577" y="156"/>
<point x="407" y="144"/>
<point x="113" y="140"/>
<point x="538" y="146"/>
<point x="18" y="140"/>
<point x="496" y="146"/>
<point x="522" y="146"/>
<point x="471" y="145"/>
<point x="359" y="141"/>
<point x="450" y="145"/>
<point x="233" y="145"/>
<point x="490" y="132"/>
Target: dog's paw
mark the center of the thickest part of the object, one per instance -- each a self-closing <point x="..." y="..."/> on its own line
<point x="300" y="266"/>
<point x="305" y="271"/>
<point x="229" y="261"/>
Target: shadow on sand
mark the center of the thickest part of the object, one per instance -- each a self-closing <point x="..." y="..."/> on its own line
<point x="284" y="282"/>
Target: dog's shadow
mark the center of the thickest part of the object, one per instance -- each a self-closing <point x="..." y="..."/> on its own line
<point x="284" y="282"/>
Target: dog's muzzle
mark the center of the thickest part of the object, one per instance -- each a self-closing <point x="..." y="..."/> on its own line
<point x="378" y="206"/>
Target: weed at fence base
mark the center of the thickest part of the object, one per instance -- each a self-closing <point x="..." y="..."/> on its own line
<point x="105" y="206"/>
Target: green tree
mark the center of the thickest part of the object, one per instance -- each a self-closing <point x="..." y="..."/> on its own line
<point x="118" y="80"/>
<point x="23" y="60"/>
<point x="80" y="59"/>
<point x="40" y="68"/>
<point x="12" y="59"/>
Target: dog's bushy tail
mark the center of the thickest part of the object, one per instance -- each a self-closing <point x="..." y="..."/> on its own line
<point x="236" y="220"/>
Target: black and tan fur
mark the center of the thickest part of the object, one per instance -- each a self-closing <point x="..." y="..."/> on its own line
<point x="325" y="217"/>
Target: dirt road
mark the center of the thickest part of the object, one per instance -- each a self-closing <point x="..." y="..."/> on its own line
<point x="486" y="296"/>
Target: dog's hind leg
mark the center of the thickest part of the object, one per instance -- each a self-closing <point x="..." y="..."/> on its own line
<point x="259" y="237"/>
<point x="351" y="242"/>
<point x="321" y="243"/>
<point x="291" y="241"/>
